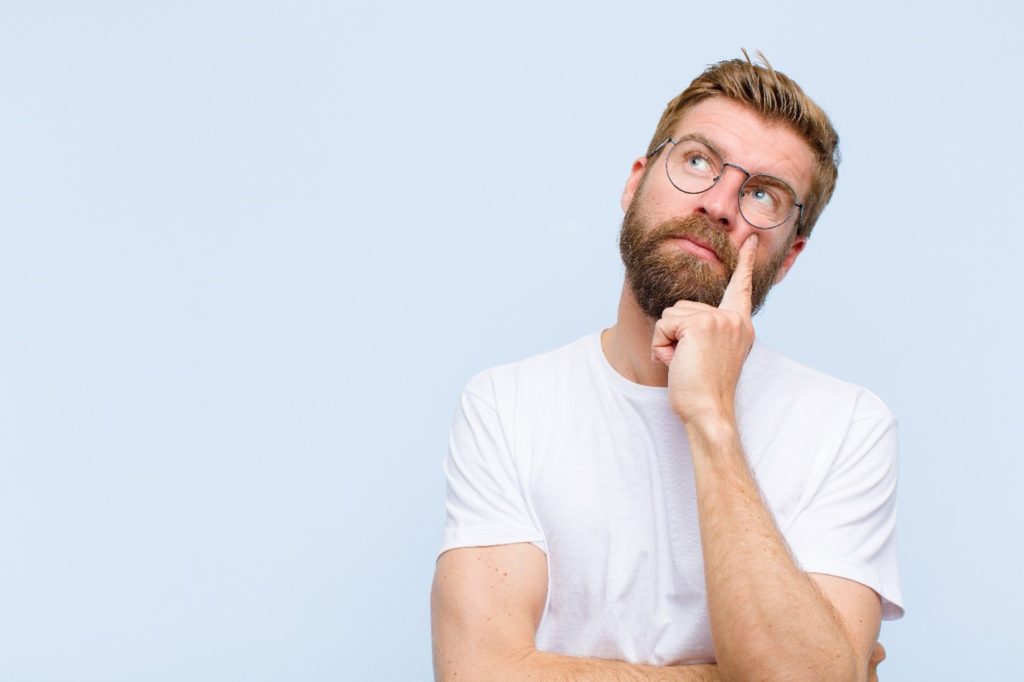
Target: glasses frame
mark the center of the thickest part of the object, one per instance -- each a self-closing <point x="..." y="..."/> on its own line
<point x="796" y="204"/>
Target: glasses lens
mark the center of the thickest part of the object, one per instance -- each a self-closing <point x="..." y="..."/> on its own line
<point x="692" y="166"/>
<point x="766" y="201"/>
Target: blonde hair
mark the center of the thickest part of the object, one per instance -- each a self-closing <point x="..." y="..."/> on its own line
<point x="776" y="97"/>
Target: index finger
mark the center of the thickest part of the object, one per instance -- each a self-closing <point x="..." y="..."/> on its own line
<point x="738" y="292"/>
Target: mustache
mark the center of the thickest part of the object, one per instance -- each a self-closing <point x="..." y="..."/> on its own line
<point x="699" y="228"/>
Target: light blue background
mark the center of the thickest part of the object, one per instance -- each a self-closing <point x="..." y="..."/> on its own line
<point x="250" y="252"/>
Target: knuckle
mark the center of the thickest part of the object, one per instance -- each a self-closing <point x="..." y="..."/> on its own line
<point x="737" y="319"/>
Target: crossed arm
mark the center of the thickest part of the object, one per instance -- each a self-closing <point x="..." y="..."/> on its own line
<point x="487" y="603"/>
<point x="769" y="620"/>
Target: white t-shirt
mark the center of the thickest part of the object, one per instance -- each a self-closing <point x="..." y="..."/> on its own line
<point x="562" y="451"/>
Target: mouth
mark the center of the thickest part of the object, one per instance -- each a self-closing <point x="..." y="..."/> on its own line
<point x="695" y="247"/>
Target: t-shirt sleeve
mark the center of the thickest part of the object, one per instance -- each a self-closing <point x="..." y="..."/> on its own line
<point x="484" y="501"/>
<point x="847" y="526"/>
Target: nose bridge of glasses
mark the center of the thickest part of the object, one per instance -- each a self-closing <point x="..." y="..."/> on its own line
<point x="741" y="169"/>
<point x="720" y="199"/>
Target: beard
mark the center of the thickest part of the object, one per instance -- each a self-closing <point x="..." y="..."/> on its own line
<point x="660" y="277"/>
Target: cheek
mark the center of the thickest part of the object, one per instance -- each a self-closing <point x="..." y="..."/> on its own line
<point x="784" y="260"/>
<point x="660" y="200"/>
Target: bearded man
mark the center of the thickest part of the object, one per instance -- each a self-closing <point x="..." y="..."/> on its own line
<point x="669" y="499"/>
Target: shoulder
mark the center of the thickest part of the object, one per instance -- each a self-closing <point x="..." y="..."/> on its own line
<point x="537" y="373"/>
<point x="772" y="376"/>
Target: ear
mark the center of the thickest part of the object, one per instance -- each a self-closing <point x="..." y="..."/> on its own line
<point x="633" y="182"/>
<point x="795" y="249"/>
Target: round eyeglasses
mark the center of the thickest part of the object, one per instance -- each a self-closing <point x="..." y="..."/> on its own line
<point x="694" y="167"/>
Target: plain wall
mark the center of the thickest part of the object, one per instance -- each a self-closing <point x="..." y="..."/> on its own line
<point x="250" y="253"/>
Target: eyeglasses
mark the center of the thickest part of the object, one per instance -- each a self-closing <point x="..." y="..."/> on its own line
<point x="693" y="167"/>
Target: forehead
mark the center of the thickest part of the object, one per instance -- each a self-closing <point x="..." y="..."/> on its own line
<point x="744" y="137"/>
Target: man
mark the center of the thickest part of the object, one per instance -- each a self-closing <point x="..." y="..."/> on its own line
<point x="668" y="499"/>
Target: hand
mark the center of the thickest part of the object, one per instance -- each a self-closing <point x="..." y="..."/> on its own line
<point x="705" y="347"/>
<point x="877" y="656"/>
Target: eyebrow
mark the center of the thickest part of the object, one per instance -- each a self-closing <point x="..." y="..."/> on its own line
<point x="703" y="140"/>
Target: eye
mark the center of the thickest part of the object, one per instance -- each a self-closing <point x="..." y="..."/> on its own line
<point x="765" y="196"/>
<point x="693" y="166"/>
<point x="768" y="193"/>
<point x="698" y="163"/>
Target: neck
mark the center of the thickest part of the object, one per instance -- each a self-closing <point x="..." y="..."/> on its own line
<point x="627" y="345"/>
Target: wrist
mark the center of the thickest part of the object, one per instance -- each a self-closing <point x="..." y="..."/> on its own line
<point x="713" y="422"/>
<point x="702" y="408"/>
<point x="712" y="432"/>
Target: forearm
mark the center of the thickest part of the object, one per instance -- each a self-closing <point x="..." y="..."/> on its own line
<point x="767" y="617"/>
<point x="541" y="666"/>
<point x="547" y="667"/>
<point x="486" y="607"/>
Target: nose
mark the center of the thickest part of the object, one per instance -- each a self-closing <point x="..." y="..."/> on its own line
<point x="721" y="203"/>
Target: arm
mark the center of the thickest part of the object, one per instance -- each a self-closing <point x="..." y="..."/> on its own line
<point x="486" y="605"/>
<point x="766" y="614"/>
<point x="769" y="620"/>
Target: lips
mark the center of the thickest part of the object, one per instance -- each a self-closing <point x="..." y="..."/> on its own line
<point x="696" y="246"/>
